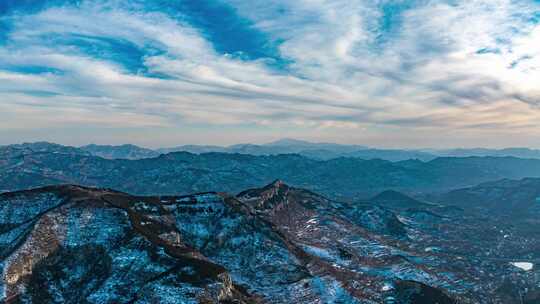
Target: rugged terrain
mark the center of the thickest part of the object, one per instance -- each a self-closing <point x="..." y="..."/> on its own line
<point x="276" y="244"/>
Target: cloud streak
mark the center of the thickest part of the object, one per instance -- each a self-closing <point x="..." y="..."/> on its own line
<point x="333" y="70"/>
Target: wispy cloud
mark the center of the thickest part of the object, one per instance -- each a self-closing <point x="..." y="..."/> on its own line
<point x="351" y="70"/>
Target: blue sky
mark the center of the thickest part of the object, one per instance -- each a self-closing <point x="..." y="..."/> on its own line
<point x="396" y="73"/>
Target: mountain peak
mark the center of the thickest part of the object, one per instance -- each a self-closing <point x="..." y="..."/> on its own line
<point x="274" y="188"/>
<point x="268" y="196"/>
<point x="276" y="184"/>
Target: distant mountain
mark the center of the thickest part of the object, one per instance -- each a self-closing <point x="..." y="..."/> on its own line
<point x="318" y="151"/>
<point x="275" y="244"/>
<point x="182" y="172"/>
<point x="120" y="152"/>
<point x="513" y="152"/>
<point x="326" y="151"/>
<point x="306" y="145"/>
<point x="391" y="155"/>
<point x="293" y="146"/>
<point x="39" y="147"/>
<point x="196" y="149"/>
<point x="321" y="151"/>
<point x="291" y="142"/>
<point x="260" y="149"/>
<point x="505" y="197"/>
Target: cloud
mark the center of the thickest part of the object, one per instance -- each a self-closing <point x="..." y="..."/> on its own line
<point x="363" y="68"/>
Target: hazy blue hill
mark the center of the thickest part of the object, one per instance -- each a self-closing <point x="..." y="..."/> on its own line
<point x="305" y="145"/>
<point x="184" y="172"/>
<point x="290" y="146"/>
<point x="513" y="152"/>
<point x="318" y="151"/>
<point x="120" y="152"/>
<point x="40" y="147"/>
<point x="392" y="155"/>
<point x="192" y="149"/>
<point x="326" y="151"/>
<point x="506" y="196"/>
<point x="282" y="146"/>
<point x="292" y="142"/>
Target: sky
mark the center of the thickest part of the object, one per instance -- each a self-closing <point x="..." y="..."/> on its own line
<point x="402" y="73"/>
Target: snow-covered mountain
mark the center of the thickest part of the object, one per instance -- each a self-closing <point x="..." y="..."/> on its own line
<point x="276" y="244"/>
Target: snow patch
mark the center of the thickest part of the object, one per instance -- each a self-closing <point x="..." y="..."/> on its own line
<point x="312" y="221"/>
<point x="432" y="249"/>
<point x="387" y="287"/>
<point x="523" y="265"/>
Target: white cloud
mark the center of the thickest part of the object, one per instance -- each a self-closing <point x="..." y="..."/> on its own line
<point x="426" y="76"/>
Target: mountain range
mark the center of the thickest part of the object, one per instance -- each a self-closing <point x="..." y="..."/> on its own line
<point x="318" y="151"/>
<point x="275" y="244"/>
<point x="88" y="225"/>
<point x="182" y="172"/>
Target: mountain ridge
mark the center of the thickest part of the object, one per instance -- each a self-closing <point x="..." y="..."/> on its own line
<point x="347" y="178"/>
<point x="319" y="151"/>
<point x="186" y="248"/>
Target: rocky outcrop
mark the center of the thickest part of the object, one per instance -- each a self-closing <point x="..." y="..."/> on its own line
<point x="72" y="245"/>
